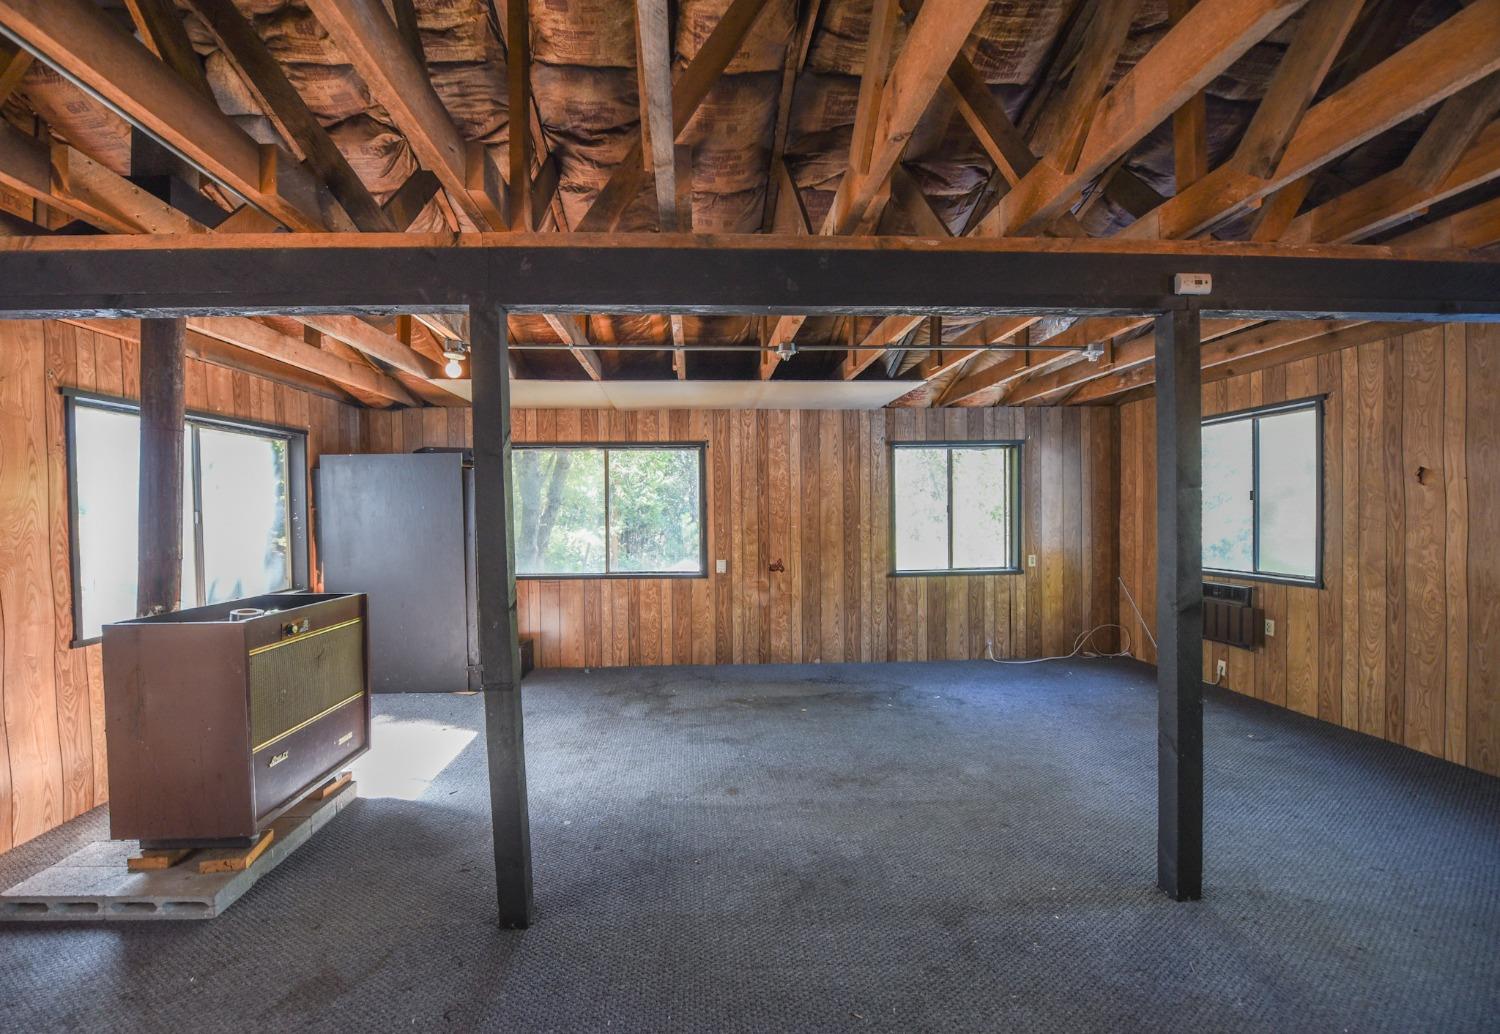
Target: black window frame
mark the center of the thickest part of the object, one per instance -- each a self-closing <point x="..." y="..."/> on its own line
<point x="1017" y="447"/>
<point x="1316" y="403"/>
<point x="701" y="448"/>
<point x="297" y="501"/>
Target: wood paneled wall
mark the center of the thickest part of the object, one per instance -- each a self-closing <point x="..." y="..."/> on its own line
<point x="1403" y="641"/>
<point x="52" y="764"/>
<point x="810" y="489"/>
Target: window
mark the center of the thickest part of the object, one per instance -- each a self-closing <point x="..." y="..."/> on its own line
<point x="242" y="508"/>
<point x="954" y="507"/>
<point x="1262" y="478"/>
<point x="599" y="510"/>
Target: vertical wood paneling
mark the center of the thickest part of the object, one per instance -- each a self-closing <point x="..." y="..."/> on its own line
<point x="1400" y="641"/>
<point x="53" y="763"/>
<point x="811" y="489"/>
<point x="1483" y="465"/>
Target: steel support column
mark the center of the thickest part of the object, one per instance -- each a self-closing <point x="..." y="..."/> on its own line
<point x="1179" y="606"/>
<point x="499" y="648"/>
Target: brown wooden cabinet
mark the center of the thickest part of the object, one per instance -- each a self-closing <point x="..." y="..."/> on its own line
<point x="215" y="726"/>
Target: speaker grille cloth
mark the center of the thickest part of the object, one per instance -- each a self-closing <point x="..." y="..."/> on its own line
<point x="301" y="678"/>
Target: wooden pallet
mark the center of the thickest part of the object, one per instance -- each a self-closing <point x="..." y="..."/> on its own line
<point x="113" y="880"/>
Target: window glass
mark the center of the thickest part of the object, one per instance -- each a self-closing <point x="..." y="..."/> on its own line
<point x="981" y="508"/>
<point x="1261" y="475"/>
<point x="247" y="546"/>
<point x="243" y="533"/>
<point x="1287" y="502"/>
<point x="106" y="446"/>
<point x="559" y="511"/>
<point x="1228" y="507"/>
<point x="653" y="510"/>
<point x="587" y="510"/>
<point x="954" y="507"/>
<point x="920" y="477"/>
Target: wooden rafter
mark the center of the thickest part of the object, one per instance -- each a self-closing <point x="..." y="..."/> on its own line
<point x="934" y="40"/>
<point x="1189" y="124"/>
<point x="688" y="92"/>
<point x="1340" y="122"/>
<point x="368" y="37"/>
<point x="520" y="144"/>
<point x="160" y="26"/>
<point x="1395" y="197"/>
<point x="283" y="105"/>
<point x="14" y="64"/>
<point x="1438" y="64"/>
<point x="652" y="35"/>
<point x="1208" y="39"/>
<point x="82" y="41"/>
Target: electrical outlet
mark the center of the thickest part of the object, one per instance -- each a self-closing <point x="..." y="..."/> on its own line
<point x="721" y="566"/>
<point x="1222" y="669"/>
<point x="1270" y="627"/>
<point x="1030" y="559"/>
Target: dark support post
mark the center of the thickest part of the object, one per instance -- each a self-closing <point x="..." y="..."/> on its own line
<point x="499" y="649"/>
<point x="1179" y="606"/>
<point x="159" y="561"/>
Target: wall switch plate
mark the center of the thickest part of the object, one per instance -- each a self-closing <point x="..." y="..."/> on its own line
<point x="1030" y="559"/>
<point x="721" y="566"/>
<point x="1270" y="627"/>
<point x="1222" y="669"/>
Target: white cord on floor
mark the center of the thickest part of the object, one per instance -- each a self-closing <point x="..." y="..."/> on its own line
<point x="1077" y="651"/>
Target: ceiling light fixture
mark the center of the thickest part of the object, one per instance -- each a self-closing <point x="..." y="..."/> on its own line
<point x="454" y="367"/>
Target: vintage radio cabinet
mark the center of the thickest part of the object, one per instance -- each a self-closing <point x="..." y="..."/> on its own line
<point x="214" y="727"/>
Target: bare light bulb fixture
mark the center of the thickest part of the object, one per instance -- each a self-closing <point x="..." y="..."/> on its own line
<point x="454" y="367"/>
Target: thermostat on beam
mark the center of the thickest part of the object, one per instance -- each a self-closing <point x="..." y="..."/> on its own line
<point x="1192" y="283"/>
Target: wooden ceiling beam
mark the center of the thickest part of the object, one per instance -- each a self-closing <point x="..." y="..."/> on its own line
<point x="368" y="37"/>
<point x="789" y="220"/>
<point x="1438" y="64"/>
<point x="1457" y="124"/>
<point x="160" y="26"/>
<point x="1208" y="39"/>
<point x="1064" y="125"/>
<point x="935" y="38"/>
<point x="283" y="105"/>
<point x="257" y="337"/>
<point x="375" y="343"/>
<point x="14" y="64"/>
<point x="791" y="69"/>
<point x="1189" y="125"/>
<point x="1269" y="344"/>
<point x="572" y="331"/>
<point x="652" y="33"/>
<point x="1476" y="227"/>
<point x="81" y="40"/>
<point x="1393" y="198"/>
<point x="691" y="87"/>
<point x="1321" y="33"/>
<point x="1279" y="122"/>
<point x="213" y="350"/>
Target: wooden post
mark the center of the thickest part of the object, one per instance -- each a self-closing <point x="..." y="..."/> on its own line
<point x="159" y="508"/>
<point x="1179" y="606"/>
<point x="499" y="648"/>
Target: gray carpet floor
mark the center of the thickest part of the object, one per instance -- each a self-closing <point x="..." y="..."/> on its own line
<point x="898" y="847"/>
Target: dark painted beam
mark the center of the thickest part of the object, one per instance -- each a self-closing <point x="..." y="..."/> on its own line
<point x="499" y="648"/>
<point x="291" y="273"/>
<point x="1179" y="606"/>
<point x="163" y="408"/>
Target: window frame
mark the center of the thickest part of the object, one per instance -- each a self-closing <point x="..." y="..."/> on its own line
<point x="297" y="499"/>
<point x="700" y="447"/>
<point x="1017" y="446"/>
<point x="1318" y="404"/>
